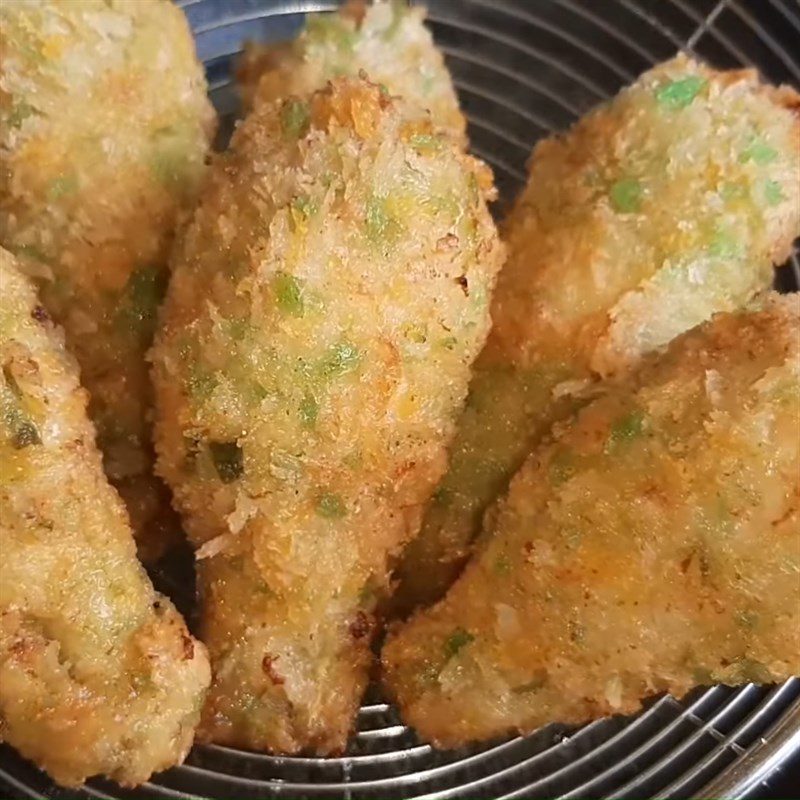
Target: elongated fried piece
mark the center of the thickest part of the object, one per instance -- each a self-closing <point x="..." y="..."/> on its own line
<point x="387" y="39"/>
<point x="98" y="673"/>
<point x="653" y="546"/>
<point x="104" y="126"/>
<point x="326" y="305"/>
<point x="657" y="210"/>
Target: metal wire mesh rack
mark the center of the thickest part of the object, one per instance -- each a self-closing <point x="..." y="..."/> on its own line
<point x="523" y="68"/>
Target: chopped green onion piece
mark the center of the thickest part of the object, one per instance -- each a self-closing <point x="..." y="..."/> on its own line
<point x="626" y="429"/>
<point x="341" y="358"/>
<point x="474" y="188"/>
<point x="398" y="10"/>
<point x="457" y="640"/>
<point x="415" y="333"/>
<point x="288" y="294"/>
<point x="332" y="29"/>
<point x="141" y="298"/>
<point x="31" y="251"/>
<point x="759" y="152"/>
<point x="294" y="118"/>
<point x="733" y="191"/>
<point x="626" y="196"/>
<point x="228" y="460"/>
<point x="442" y="496"/>
<point x="331" y="506"/>
<point x="308" y="411"/>
<point x="680" y="93"/>
<point x="378" y="222"/>
<point x="449" y="342"/>
<point x="171" y="157"/>
<point x="305" y="205"/>
<point x="773" y="193"/>
<point x="19" y="113"/>
<point x="201" y="383"/>
<point x="237" y="328"/>
<point x="723" y="245"/>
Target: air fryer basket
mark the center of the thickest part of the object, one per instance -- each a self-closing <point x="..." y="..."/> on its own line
<point x="523" y="68"/>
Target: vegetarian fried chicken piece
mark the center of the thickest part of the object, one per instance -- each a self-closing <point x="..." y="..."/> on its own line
<point x="668" y="204"/>
<point x="326" y="305"/>
<point x="653" y="546"/>
<point x="104" y="126"/>
<point x="387" y="40"/>
<point x="98" y="673"/>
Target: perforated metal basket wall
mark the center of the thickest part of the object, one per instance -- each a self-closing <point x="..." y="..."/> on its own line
<point x="524" y="68"/>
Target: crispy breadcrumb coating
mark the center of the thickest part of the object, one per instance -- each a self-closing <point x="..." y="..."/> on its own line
<point x="652" y="547"/>
<point x="98" y="673"/>
<point x="326" y="305"/>
<point x="104" y="126"/>
<point x="387" y="40"/>
<point x="662" y="207"/>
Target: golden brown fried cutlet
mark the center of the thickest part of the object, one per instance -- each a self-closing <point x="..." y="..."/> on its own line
<point x="662" y="207"/>
<point x="325" y="308"/>
<point x="654" y="545"/>
<point x="98" y="673"/>
<point x="386" y="39"/>
<point x="104" y="127"/>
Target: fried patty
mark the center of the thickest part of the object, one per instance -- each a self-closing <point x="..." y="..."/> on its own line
<point x="104" y="126"/>
<point x="387" y="40"/>
<point x="326" y="305"/>
<point x="98" y="673"/>
<point x="652" y="546"/>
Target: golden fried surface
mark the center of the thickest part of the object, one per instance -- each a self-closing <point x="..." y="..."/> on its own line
<point x="388" y="40"/>
<point x="98" y="673"/>
<point x="653" y="546"/>
<point x="657" y="210"/>
<point x="326" y="305"/>
<point x="104" y="126"/>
